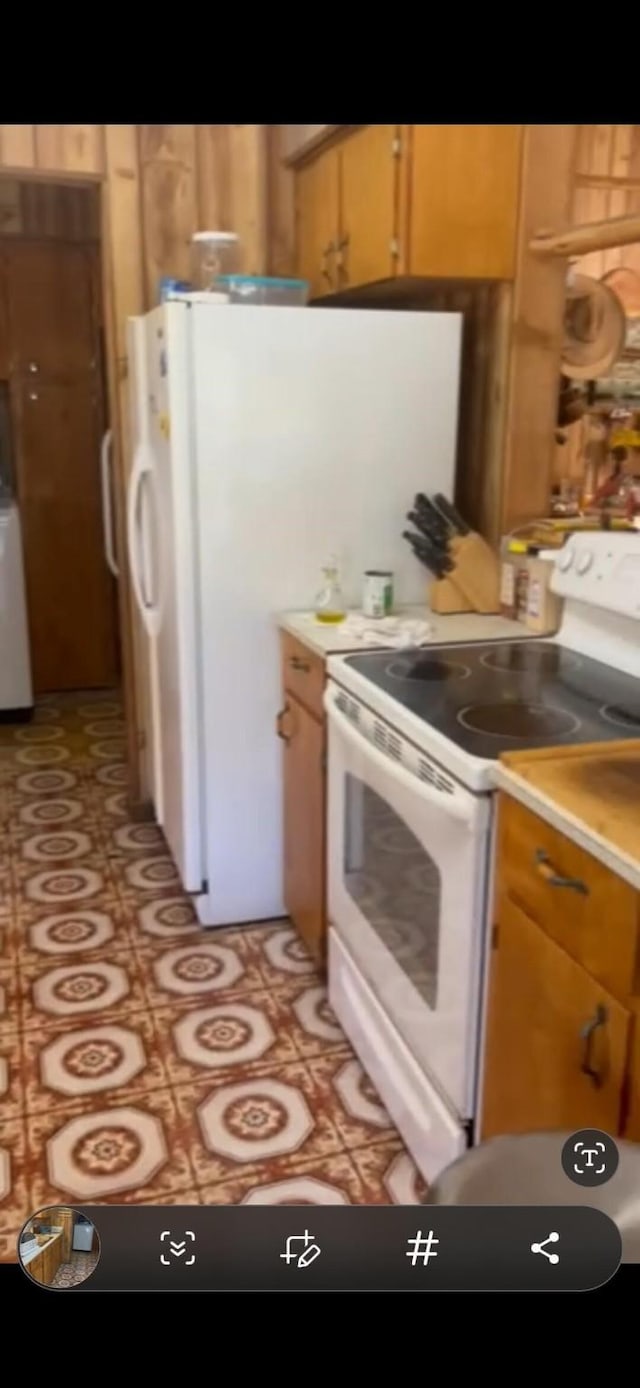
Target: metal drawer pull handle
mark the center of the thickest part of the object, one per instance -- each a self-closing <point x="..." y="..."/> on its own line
<point x="286" y="737"/>
<point x="297" y="664"/>
<point x="546" y="870"/>
<point x="587" y="1033"/>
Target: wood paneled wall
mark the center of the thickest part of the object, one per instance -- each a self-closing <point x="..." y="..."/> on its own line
<point x="607" y="184"/>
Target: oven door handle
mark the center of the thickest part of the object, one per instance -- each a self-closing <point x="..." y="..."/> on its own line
<point x="459" y="805"/>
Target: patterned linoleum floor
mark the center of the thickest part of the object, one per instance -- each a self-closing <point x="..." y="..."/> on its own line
<point x="76" y="1271"/>
<point x="143" y="1059"/>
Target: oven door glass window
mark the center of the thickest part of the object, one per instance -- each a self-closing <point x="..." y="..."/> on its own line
<point x="395" y="884"/>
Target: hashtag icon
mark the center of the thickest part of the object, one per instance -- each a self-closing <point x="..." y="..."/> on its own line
<point x="422" y="1247"/>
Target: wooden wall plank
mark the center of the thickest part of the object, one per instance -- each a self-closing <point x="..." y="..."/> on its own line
<point x="169" y="202"/>
<point x="248" y="163"/>
<point x="213" y="158"/>
<point x="74" y="149"/>
<point x="17" y="146"/>
<point x="538" y="302"/>
<point x="167" y="143"/>
<point x="281" y="225"/>
<point x="123" y="229"/>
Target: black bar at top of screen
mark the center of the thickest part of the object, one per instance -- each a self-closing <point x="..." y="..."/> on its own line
<point x="322" y="1248"/>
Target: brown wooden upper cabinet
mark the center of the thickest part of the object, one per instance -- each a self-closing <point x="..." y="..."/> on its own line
<point x="435" y="201"/>
<point x="463" y="187"/>
<point x="317" y="221"/>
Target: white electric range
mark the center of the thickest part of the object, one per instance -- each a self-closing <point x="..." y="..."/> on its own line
<point x="413" y="742"/>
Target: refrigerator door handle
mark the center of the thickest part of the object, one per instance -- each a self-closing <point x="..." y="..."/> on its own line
<point x="138" y="541"/>
<point x="107" y="507"/>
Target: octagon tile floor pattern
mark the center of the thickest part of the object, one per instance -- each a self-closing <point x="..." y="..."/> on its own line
<point x="143" y="1059"/>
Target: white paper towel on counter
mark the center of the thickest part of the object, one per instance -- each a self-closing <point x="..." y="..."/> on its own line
<point x="398" y="632"/>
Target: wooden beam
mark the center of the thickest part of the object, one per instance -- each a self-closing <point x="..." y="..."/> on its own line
<point x="538" y="306"/>
<point x="594" y="236"/>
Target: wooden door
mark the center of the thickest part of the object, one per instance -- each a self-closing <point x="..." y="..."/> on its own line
<point x="69" y="590"/>
<point x="50" y="306"/>
<point x="540" y="1004"/>
<point x="317" y="222"/>
<point x="4" y="321"/>
<point x="369" y="188"/>
<point x="463" y="200"/>
<point x="58" y="418"/>
<point x="304" y="801"/>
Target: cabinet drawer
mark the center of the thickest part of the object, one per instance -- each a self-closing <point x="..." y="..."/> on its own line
<point x="574" y="898"/>
<point x="302" y="673"/>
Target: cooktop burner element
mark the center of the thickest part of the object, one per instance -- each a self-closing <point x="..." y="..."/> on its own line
<point x="428" y="668"/>
<point x="490" y="697"/>
<point x="543" y="659"/>
<point x="519" y="721"/>
<point x="622" y="718"/>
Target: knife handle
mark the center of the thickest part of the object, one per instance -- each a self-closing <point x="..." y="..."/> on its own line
<point x="450" y="514"/>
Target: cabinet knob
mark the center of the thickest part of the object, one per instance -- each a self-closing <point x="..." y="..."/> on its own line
<point x="33" y="395"/>
<point x="33" y="367"/>
<point x="587" y="1033"/>
<point x="297" y="663"/>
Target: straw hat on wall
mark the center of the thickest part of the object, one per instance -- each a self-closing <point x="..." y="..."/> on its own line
<point x="594" y="329"/>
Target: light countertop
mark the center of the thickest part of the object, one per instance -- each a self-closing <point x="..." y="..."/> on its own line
<point x="30" y="1251"/>
<point x="590" y="794"/>
<point x="459" y="629"/>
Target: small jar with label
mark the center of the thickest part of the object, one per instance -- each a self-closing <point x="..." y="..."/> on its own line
<point x="377" y="593"/>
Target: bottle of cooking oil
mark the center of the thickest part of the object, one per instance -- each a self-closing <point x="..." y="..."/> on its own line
<point x="330" y="602"/>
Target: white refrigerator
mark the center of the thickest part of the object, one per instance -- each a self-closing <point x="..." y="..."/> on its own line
<point x="266" y="440"/>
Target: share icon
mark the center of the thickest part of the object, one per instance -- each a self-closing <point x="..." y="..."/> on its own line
<point x="542" y="1248"/>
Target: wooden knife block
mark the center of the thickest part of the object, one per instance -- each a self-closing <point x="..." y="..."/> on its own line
<point x="473" y="584"/>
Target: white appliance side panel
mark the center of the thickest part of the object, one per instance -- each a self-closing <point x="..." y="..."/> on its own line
<point x="145" y="648"/>
<point x="315" y="428"/>
<point x="174" y="578"/>
<point x="15" y="663"/>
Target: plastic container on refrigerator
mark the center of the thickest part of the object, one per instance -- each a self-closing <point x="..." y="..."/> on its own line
<point x="213" y="253"/>
<point x="261" y="289"/>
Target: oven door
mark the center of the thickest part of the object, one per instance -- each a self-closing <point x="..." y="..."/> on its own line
<point x="407" y="848"/>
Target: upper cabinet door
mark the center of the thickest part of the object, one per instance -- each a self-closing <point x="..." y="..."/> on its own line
<point x="367" y="249"/>
<point x="49" y="302"/>
<point x="318" y="221"/>
<point x="463" y="186"/>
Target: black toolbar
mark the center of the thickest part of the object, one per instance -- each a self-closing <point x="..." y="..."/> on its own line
<point x="321" y="1248"/>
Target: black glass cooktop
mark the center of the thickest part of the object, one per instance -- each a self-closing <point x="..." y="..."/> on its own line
<point x="489" y="699"/>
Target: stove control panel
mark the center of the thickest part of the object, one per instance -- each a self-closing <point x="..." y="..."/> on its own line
<point x="601" y="568"/>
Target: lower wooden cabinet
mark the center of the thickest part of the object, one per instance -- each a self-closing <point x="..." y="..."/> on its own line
<point x="301" y="728"/>
<point x="46" y="1263"/>
<point x="304" y="801"/>
<point x="557" y="1041"/>
<point x="562" y="1043"/>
